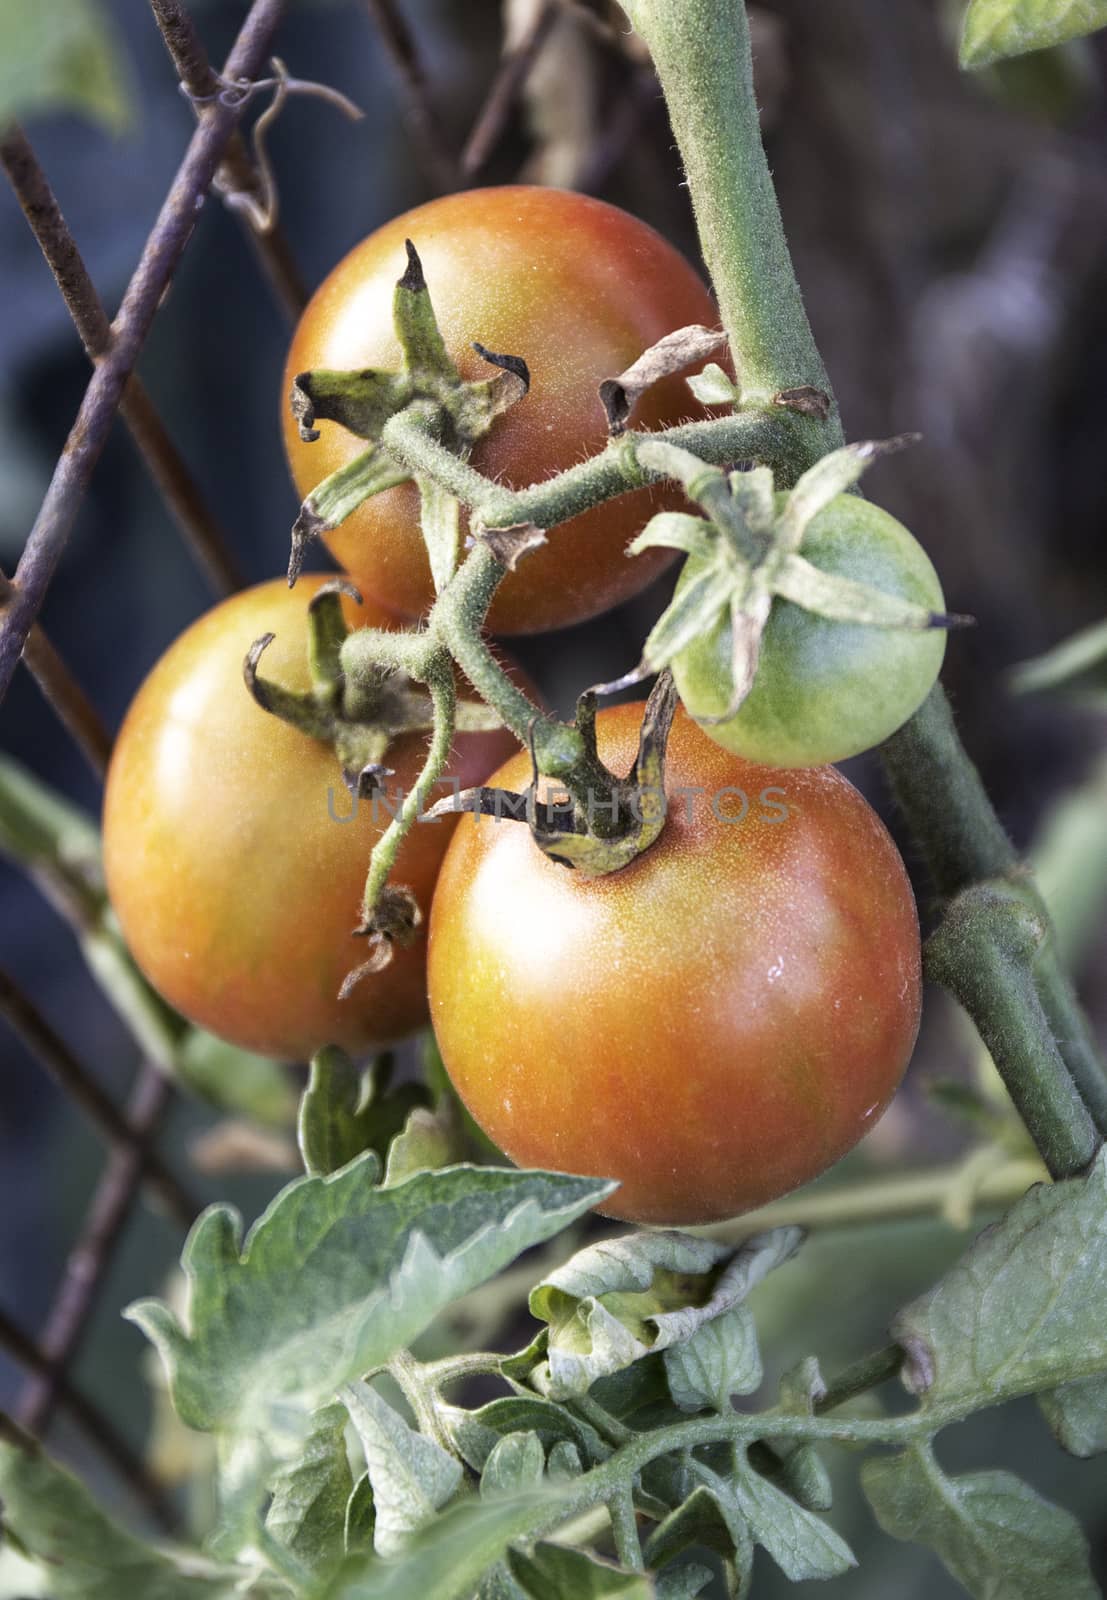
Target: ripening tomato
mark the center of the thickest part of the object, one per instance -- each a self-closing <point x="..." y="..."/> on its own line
<point x="824" y="690"/>
<point x="577" y="288"/>
<point x="712" y="1025"/>
<point x="235" y="860"/>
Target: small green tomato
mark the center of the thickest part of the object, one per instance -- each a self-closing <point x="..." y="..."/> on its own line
<point x="824" y="690"/>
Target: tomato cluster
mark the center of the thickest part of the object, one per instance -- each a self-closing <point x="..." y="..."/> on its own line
<point x="711" y="1025"/>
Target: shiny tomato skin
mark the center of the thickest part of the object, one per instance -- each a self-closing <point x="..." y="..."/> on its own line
<point x="577" y="288"/>
<point x="824" y="690"/>
<point x="713" y="1025"/>
<point x="235" y="889"/>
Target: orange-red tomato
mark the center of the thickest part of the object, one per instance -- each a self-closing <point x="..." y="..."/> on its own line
<point x="714" y="1024"/>
<point x="577" y="288"/>
<point x="236" y="888"/>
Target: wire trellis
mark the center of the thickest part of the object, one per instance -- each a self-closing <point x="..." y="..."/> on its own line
<point x="219" y="157"/>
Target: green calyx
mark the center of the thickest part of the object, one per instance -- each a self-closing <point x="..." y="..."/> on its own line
<point x="361" y="699"/>
<point x="455" y="411"/>
<point x="747" y="551"/>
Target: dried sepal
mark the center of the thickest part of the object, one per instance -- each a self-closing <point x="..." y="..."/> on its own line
<point x="395" y="920"/>
<point x="509" y="545"/>
<point x="671" y="354"/>
<point x="806" y="400"/>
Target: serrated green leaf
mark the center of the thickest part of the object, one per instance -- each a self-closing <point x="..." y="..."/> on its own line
<point x="310" y="1495"/>
<point x="333" y="1279"/>
<point x="1024" y="1309"/>
<point x="344" y="1111"/>
<point x="86" y="1555"/>
<point x="802" y="1544"/>
<point x="555" y="1572"/>
<point x="709" y="1517"/>
<point x="412" y="1477"/>
<point x="448" y="1557"/>
<point x="682" y="1583"/>
<point x="998" y="1538"/>
<point x="475" y="1434"/>
<point x="1077" y="1416"/>
<point x="62" y="55"/>
<point x="614" y="1302"/>
<point x="720" y="1359"/>
<point x="515" y="1464"/>
<point x="996" y="29"/>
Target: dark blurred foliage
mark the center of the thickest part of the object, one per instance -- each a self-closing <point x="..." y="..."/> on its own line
<point x="949" y="234"/>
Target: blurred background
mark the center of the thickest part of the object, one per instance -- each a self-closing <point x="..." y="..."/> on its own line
<point x="949" y="232"/>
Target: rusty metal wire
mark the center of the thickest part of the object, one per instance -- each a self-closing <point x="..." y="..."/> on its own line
<point x="217" y="157"/>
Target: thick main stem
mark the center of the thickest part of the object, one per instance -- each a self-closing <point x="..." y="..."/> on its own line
<point x="701" y="49"/>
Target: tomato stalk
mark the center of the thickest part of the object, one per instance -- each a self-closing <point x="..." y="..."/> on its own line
<point x="701" y="49"/>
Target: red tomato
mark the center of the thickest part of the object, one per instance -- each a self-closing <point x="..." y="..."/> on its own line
<point x="235" y="886"/>
<point x="578" y="289"/>
<point x="714" y="1024"/>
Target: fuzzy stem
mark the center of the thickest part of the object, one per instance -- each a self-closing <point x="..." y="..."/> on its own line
<point x="624" y="1527"/>
<point x="701" y="49"/>
<point x="984" y="953"/>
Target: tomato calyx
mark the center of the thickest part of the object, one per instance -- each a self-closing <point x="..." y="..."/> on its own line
<point x="747" y="550"/>
<point x="395" y="919"/>
<point x="359" y="713"/>
<point x="598" y="822"/>
<point x="455" y="411"/>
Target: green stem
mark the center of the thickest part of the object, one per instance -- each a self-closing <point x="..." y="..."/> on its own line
<point x="863" y="1375"/>
<point x="882" y="1200"/>
<point x="440" y="683"/>
<point x="624" y="1527"/>
<point x="984" y="953"/>
<point x="701" y="49"/>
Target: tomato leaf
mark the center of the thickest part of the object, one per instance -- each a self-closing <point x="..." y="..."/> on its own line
<point x="710" y="1518"/>
<point x="361" y="1516"/>
<point x="86" y="1556"/>
<point x="62" y="55"/>
<point x="427" y="1140"/>
<point x="719" y="1360"/>
<point x="345" y="1112"/>
<point x="990" y="1529"/>
<point x="1077" y="1416"/>
<point x="714" y="387"/>
<point x="411" y="1476"/>
<point x="1026" y="1307"/>
<point x="447" y="1558"/>
<point x="996" y="29"/>
<point x="475" y="1434"/>
<point x="802" y="1544"/>
<point x="614" y="1302"/>
<point x="334" y="1278"/>
<point x="516" y="1463"/>
<point x="1078" y="665"/>
<point x="553" y="1572"/>
<point x="307" y="1514"/>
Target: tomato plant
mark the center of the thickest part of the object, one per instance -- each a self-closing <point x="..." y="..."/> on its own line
<point x="578" y="289"/>
<point x="234" y="855"/>
<point x="824" y="689"/>
<point x="714" y="1024"/>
